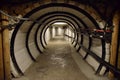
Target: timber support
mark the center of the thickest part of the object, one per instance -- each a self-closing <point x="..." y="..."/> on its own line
<point x="114" y="42"/>
<point x="4" y="50"/>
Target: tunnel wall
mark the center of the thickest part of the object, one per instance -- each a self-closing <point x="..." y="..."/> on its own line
<point x="53" y="30"/>
<point x="31" y="42"/>
<point x="86" y="44"/>
<point x="13" y="69"/>
<point x="47" y="35"/>
<point x="38" y="40"/>
<point x="70" y="34"/>
<point x="22" y="58"/>
<point x="20" y="51"/>
<point x="96" y="47"/>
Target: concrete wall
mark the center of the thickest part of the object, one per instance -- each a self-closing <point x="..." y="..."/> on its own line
<point x="53" y="30"/>
<point x="31" y="42"/>
<point x="60" y="31"/>
<point x="86" y="44"/>
<point x="21" y="54"/>
<point x="70" y="33"/>
<point x="96" y="48"/>
<point x="47" y="35"/>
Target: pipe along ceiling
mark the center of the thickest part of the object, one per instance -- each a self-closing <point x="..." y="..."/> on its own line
<point x="29" y="39"/>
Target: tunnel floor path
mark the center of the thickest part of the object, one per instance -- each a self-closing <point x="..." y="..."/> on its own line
<point x="56" y="63"/>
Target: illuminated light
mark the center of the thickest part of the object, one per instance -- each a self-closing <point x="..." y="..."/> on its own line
<point x="60" y="23"/>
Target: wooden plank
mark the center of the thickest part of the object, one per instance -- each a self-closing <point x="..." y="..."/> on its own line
<point x="114" y="42"/>
<point x="6" y="49"/>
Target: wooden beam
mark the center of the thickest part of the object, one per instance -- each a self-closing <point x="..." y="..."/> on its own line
<point x="6" y="49"/>
<point x="114" y="42"/>
<point x="1" y="59"/>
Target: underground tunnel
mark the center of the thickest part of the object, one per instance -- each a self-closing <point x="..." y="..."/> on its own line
<point x="54" y="24"/>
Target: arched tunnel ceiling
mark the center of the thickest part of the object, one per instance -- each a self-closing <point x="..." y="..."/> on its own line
<point x="58" y="8"/>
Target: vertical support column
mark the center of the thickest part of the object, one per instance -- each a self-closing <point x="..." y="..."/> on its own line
<point x="64" y="30"/>
<point x="51" y="33"/>
<point x="6" y="49"/>
<point x="114" y="42"/>
<point x="56" y="31"/>
<point x="1" y="56"/>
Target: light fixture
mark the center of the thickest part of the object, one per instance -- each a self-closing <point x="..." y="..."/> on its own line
<point x="60" y="23"/>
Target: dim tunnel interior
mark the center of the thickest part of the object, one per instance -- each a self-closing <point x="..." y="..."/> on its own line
<point x="30" y="38"/>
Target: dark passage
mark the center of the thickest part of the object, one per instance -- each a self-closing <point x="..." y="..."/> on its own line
<point x="55" y="64"/>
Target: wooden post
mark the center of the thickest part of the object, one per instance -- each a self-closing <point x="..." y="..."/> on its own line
<point x="6" y="49"/>
<point x="114" y="42"/>
<point x="1" y="58"/>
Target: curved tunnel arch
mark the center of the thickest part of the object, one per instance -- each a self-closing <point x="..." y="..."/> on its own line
<point x="61" y="18"/>
<point x="38" y="29"/>
<point x="45" y="27"/>
<point x="43" y="7"/>
<point x="47" y="23"/>
<point x="59" y="15"/>
<point x="36" y="33"/>
<point x="65" y="21"/>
